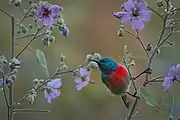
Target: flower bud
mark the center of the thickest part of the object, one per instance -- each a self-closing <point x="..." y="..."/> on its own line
<point x="48" y="32"/>
<point x="149" y="47"/>
<point x="60" y="21"/>
<point x="170" y="117"/>
<point x="13" y="77"/>
<point x="158" y="52"/>
<point x="46" y="42"/>
<point x="30" y="1"/>
<point x="35" y="81"/>
<point x="159" y="3"/>
<point x="52" y="39"/>
<point x="64" y="30"/>
<point x="96" y="56"/>
<point x="34" y="5"/>
<point x="23" y="28"/>
<point x="62" y="57"/>
<point x="122" y="26"/>
<point x="30" y="26"/>
<point x="31" y="99"/>
<point x="33" y="12"/>
<point x="133" y="63"/>
<point x="88" y="57"/>
<point x="120" y="32"/>
<point x="93" y="65"/>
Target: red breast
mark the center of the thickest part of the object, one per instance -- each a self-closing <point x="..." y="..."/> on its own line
<point x="117" y="77"/>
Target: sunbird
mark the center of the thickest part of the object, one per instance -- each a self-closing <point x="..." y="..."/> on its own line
<point x="115" y="77"/>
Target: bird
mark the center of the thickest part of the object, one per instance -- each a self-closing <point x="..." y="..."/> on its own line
<point x="116" y="78"/>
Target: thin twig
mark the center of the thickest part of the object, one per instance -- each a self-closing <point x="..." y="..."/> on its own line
<point x="34" y="37"/>
<point x="158" y="77"/>
<point x="142" y="44"/>
<point x="138" y="38"/>
<point x="10" y="109"/>
<point x="25" y="16"/>
<point x="6" y="13"/>
<point x="30" y="110"/>
<point x="176" y="9"/>
<point x="155" y="50"/>
<point x="21" y="8"/>
<point x="130" y="115"/>
<point x="153" y="10"/>
<point x="167" y="37"/>
<point x="131" y="77"/>
<point x="30" y="50"/>
<point x="25" y="36"/>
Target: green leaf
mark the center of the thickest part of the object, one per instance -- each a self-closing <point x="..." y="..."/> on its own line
<point x="128" y="60"/>
<point x="42" y="61"/>
<point x="167" y="102"/>
<point x="147" y="96"/>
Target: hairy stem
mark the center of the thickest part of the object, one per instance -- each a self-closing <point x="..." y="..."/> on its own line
<point x="10" y="109"/>
<point x="30" y="110"/>
<point x="130" y="115"/>
<point x="153" y="10"/>
<point x="33" y="38"/>
<point x="140" y="41"/>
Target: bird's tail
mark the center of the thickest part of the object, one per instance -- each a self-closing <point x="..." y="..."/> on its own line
<point x="125" y="100"/>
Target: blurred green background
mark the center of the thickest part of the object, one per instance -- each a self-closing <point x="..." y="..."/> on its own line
<point x="92" y="29"/>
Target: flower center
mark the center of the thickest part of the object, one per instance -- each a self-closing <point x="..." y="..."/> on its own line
<point x="46" y="12"/>
<point x="135" y="12"/>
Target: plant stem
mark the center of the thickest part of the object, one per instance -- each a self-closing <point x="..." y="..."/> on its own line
<point x="10" y="109"/>
<point x="153" y="10"/>
<point x="30" y="110"/>
<point x="142" y="44"/>
<point x="9" y="15"/>
<point x="140" y="41"/>
<point x="132" y="110"/>
<point x="33" y="38"/>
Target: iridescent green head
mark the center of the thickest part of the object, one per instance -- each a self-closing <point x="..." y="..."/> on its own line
<point x="106" y="65"/>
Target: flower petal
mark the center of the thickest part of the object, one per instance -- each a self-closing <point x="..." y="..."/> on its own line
<point x="55" y="83"/>
<point x="129" y="5"/>
<point x="55" y="9"/>
<point x="124" y="17"/>
<point x="84" y="71"/>
<point x="64" y="30"/>
<point x="78" y="80"/>
<point x="145" y="15"/>
<point x="85" y="83"/>
<point x="141" y="4"/>
<point x="168" y="81"/>
<point x="137" y="24"/>
<point x="79" y="87"/>
<point x="47" y="96"/>
<point x="47" y="21"/>
<point x="55" y="93"/>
